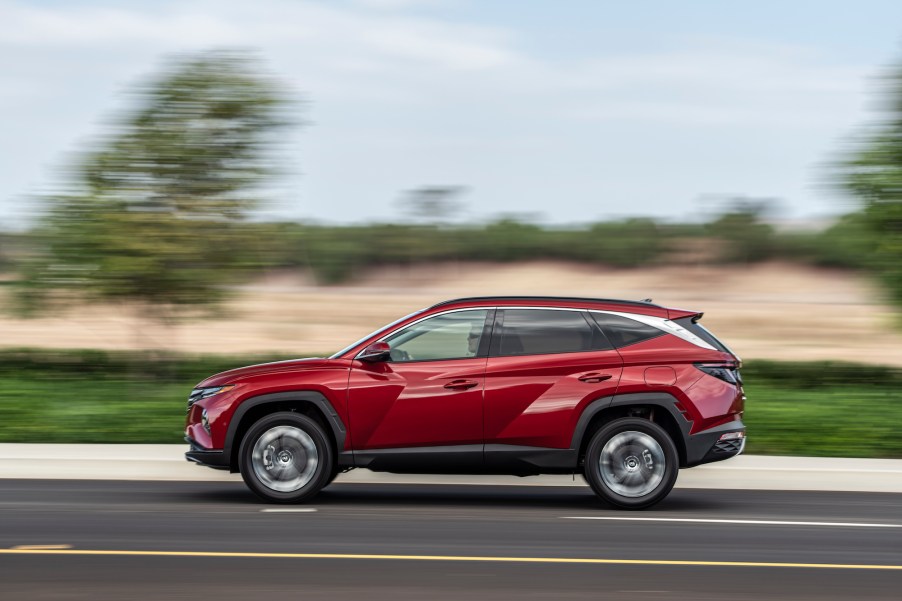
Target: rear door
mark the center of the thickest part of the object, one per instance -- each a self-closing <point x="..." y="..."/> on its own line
<point x="544" y="366"/>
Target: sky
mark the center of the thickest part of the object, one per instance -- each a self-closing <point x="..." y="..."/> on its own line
<point x="565" y="112"/>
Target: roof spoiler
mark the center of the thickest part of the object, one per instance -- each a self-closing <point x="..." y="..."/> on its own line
<point x="681" y="313"/>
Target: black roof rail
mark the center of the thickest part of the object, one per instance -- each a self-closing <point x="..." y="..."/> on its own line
<point x="569" y="299"/>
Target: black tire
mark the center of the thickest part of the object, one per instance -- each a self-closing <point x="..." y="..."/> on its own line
<point x="286" y="457"/>
<point x="632" y="475"/>
<point x="335" y="472"/>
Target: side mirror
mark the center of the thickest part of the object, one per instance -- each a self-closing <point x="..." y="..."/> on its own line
<point x="377" y="351"/>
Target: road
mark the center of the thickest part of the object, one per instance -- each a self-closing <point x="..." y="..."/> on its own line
<point x="185" y="540"/>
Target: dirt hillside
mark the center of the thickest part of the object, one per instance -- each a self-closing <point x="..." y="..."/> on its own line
<point x="768" y="311"/>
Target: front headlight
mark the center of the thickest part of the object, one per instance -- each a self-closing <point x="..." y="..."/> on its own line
<point x="203" y="393"/>
<point x="208" y="392"/>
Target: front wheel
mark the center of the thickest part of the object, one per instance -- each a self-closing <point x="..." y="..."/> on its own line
<point x="631" y="463"/>
<point x="285" y="457"/>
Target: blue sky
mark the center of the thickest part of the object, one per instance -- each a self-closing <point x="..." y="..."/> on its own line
<point x="568" y="111"/>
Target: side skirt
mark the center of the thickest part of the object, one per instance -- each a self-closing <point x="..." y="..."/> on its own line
<point x="469" y="459"/>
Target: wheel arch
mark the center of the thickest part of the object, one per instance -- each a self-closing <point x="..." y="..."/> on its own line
<point x="658" y="407"/>
<point x="308" y="402"/>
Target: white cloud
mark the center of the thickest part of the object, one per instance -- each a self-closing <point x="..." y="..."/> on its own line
<point x="336" y="44"/>
<point x="395" y="5"/>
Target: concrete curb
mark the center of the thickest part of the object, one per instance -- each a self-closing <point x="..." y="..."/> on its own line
<point x="167" y="462"/>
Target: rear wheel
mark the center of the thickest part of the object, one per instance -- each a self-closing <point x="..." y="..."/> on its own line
<point x="631" y="463"/>
<point x="285" y="457"/>
<point x="335" y="472"/>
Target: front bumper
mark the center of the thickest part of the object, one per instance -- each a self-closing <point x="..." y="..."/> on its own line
<point x="706" y="447"/>
<point x="217" y="459"/>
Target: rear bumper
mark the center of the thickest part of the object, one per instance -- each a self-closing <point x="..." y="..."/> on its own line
<point x="706" y="447"/>
<point x="217" y="459"/>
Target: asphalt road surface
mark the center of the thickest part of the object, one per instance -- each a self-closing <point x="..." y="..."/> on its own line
<point x="98" y="540"/>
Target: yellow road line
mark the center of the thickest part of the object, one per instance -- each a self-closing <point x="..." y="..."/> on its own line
<point x="471" y="558"/>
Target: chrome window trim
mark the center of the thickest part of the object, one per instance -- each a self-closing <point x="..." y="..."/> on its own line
<point x="665" y="325"/>
<point x="503" y="307"/>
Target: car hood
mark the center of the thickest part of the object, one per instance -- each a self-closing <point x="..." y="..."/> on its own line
<point x="240" y="373"/>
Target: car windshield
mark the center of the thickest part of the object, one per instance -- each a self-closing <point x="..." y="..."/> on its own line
<point x="374" y="333"/>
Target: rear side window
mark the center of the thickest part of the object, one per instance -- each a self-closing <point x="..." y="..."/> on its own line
<point x="544" y="331"/>
<point x="623" y="331"/>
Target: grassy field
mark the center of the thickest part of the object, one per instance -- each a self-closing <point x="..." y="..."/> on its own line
<point x="832" y="421"/>
<point x="120" y="410"/>
<point x="811" y="408"/>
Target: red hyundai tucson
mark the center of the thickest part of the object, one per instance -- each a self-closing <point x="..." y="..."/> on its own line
<point x="624" y="392"/>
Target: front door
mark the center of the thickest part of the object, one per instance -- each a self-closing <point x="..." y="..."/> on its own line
<point x="429" y="393"/>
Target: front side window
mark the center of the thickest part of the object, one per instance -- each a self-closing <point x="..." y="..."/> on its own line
<point x="448" y="336"/>
<point x="545" y="331"/>
<point x="384" y="328"/>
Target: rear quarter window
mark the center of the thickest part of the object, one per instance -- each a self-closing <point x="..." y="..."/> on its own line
<point x="623" y="331"/>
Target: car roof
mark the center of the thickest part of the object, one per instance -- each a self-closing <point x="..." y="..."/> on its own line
<point x="645" y="307"/>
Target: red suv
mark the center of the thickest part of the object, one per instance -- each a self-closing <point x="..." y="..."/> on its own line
<point x="625" y="392"/>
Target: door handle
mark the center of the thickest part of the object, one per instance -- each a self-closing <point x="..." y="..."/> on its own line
<point x="594" y="378"/>
<point x="461" y="384"/>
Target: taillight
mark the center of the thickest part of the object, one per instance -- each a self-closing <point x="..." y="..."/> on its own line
<point x="722" y="372"/>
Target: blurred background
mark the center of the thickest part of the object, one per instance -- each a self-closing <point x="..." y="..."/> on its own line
<point x="191" y="186"/>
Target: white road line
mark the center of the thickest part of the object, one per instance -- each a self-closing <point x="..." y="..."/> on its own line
<point x="716" y="521"/>
<point x="289" y="510"/>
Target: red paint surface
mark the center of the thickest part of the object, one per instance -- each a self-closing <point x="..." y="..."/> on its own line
<point x="525" y="400"/>
<point x="407" y="404"/>
<point x="536" y="400"/>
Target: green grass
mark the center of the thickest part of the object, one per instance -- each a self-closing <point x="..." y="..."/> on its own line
<point x="90" y="410"/>
<point x="89" y="396"/>
<point x="823" y="422"/>
<point x="823" y="409"/>
<point x="817" y="408"/>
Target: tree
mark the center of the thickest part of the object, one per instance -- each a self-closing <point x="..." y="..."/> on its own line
<point x="433" y="204"/>
<point x="874" y="175"/>
<point x="153" y="214"/>
<point x="746" y="238"/>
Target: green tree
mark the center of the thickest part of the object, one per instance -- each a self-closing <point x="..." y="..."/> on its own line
<point x="746" y="239"/>
<point x="874" y="174"/>
<point x="153" y="214"/>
